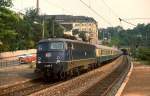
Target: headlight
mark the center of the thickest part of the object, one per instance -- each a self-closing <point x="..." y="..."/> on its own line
<point x="48" y="54"/>
<point x="39" y="59"/>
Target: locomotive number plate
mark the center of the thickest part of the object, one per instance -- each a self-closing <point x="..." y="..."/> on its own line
<point x="48" y="65"/>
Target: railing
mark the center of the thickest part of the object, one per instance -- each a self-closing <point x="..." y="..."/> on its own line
<point x="8" y="63"/>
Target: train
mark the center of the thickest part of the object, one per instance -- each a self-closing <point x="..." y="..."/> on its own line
<point x="59" y="57"/>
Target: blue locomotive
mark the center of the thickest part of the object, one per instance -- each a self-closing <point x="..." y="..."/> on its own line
<point x="57" y="57"/>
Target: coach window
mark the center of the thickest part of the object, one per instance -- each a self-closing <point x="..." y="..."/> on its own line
<point x="102" y="51"/>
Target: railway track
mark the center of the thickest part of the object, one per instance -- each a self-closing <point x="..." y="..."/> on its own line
<point x="110" y="84"/>
<point x="27" y="88"/>
<point x="75" y="86"/>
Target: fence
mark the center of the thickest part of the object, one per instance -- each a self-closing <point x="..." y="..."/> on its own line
<point x="8" y="59"/>
<point x="8" y="63"/>
<point x="13" y="55"/>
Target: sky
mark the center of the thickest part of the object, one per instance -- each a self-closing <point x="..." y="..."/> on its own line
<point x="110" y="10"/>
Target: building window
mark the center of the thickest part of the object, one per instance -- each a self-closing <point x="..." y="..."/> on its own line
<point x="76" y="24"/>
<point x="90" y="29"/>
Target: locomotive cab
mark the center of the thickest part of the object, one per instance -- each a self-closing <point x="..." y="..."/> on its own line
<point x="58" y="57"/>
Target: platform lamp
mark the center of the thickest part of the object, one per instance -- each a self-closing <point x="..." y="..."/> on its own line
<point x="43" y="27"/>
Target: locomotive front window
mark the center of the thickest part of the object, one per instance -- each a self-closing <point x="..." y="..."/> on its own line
<point x="43" y="47"/>
<point x="57" y="45"/>
<point x="50" y="46"/>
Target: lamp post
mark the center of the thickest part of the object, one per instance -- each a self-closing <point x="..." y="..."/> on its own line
<point x="43" y="30"/>
<point x="43" y="25"/>
<point x="53" y="28"/>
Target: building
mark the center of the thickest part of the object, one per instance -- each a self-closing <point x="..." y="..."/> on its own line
<point x="78" y="23"/>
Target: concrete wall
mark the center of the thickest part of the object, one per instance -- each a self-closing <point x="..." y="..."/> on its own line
<point x="13" y="55"/>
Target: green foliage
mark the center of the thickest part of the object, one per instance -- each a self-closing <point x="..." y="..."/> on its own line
<point x="138" y="36"/>
<point x="19" y="34"/>
<point x="75" y="32"/>
<point x="137" y="39"/>
<point x="5" y="3"/>
<point x="144" y="53"/>
<point x="8" y="21"/>
<point x="53" y="29"/>
<point x="31" y="15"/>
<point x="115" y="41"/>
<point x="82" y="34"/>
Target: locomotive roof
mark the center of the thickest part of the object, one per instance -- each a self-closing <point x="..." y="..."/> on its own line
<point x="62" y="39"/>
<point x="106" y="47"/>
<point x="77" y="41"/>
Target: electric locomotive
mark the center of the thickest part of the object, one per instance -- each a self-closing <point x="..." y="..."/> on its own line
<point x="58" y="57"/>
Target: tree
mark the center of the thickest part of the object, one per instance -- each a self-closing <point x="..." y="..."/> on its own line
<point x="82" y="34"/>
<point x="5" y="3"/>
<point x="53" y="28"/>
<point x="8" y="21"/>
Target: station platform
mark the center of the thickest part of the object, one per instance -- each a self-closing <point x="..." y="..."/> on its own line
<point x="139" y="81"/>
<point x="14" y="75"/>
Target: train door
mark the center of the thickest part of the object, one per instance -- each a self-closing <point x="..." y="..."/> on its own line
<point x="70" y="47"/>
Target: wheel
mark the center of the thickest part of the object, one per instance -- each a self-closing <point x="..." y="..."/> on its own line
<point x="46" y="78"/>
<point x="62" y="75"/>
<point x="69" y="74"/>
<point x="20" y="61"/>
<point x="76" y="72"/>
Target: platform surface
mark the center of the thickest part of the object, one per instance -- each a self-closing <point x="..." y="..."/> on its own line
<point x="139" y="81"/>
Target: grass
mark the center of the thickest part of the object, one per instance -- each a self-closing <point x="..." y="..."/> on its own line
<point x="145" y="62"/>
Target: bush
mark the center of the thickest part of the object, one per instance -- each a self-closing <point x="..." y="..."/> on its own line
<point x="144" y="54"/>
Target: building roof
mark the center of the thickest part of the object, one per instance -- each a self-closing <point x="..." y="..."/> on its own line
<point x="70" y="18"/>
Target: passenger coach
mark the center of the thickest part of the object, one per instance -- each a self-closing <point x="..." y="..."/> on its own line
<point x="105" y="53"/>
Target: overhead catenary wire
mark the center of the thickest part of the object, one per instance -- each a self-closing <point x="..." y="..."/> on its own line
<point x="137" y="18"/>
<point x="94" y="11"/>
<point x="59" y="7"/>
<point x="114" y="13"/>
<point x="132" y="19"/>
<point x="126" y="21"/>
